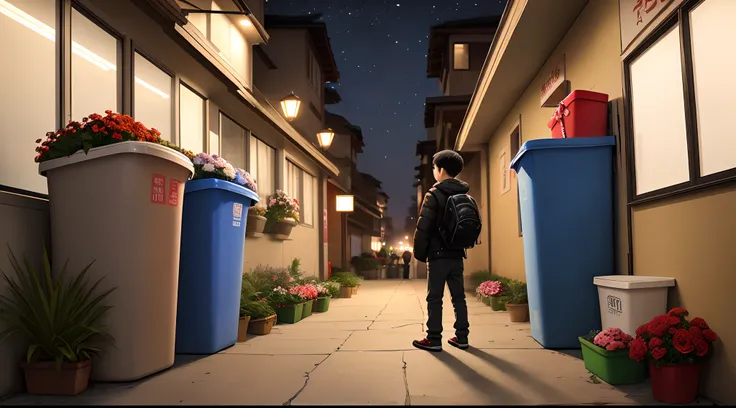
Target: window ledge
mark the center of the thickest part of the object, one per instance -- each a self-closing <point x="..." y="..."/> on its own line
<point x="684" y="191"/>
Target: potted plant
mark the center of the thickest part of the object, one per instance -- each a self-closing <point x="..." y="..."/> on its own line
<point x="111" y="182"/>
<point x="517" y="301"/>
<point x="247" y="292"/>
<point x="308" y="294"/>
<point x="261" y="317"/>
<point x="216" y="200"/>
<point x="289" y="307"/>
<point x="282" y="214"/>
<point x="348" y="281"/>
<point x="61" y="319"/>
<point x="256" y="221"/>
<point x="369" y="268"/>
<point x="324" y="293"/>
<point x="606" y="354"/>
<point x="674" y="348"/>
<point x="492" y="291"/>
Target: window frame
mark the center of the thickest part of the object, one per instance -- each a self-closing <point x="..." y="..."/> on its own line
<point x="246" y="136"/>
<point x="696" y="181"/>
<point x="205" y="132"/>
<point x="514" y="147"/>
<point x="136" y="49"/>
<point x="249" y="163"/>
<point x="123" y="55"/>
<point x="467" y="46"/>
<point x="302" y="173"/>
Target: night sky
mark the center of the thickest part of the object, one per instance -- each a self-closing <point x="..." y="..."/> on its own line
<point x="381" y="49"/>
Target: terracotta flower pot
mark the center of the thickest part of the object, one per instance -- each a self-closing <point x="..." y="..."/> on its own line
<point x="279" y="229"/>
<point x="255" y="225"/>
<point x="346" y="292"/>
<point x="518" y="313"/>
<point x="42" y="378"/>
<point x="261" y="326"/>
<point x="355" y="289"/>
<point x="243" y="328"/>
<point x="675" y="384"/>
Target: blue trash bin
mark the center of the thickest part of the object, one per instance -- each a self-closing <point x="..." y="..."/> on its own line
<point x="566" y="203"/>
<point x="211" y="265"/>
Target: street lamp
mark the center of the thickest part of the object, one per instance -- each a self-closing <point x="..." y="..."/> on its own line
<point x="290" y="105"/>
<point x="324" y="137"/>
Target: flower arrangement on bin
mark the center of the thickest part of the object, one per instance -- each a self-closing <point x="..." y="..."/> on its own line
<point x="212" y="166"/>
<point x="282" y="207"/>
<point x="281" y="297"/>
<point x="60" y="318"/>
<point x="96" y="130"/>
<point x="305" y="292"/>
<point x="671" y="339"/>
<point x="491" y="288"/>
<point x="244" y="178"/>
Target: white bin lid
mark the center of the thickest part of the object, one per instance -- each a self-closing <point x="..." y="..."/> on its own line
<point x="633" y="281"/>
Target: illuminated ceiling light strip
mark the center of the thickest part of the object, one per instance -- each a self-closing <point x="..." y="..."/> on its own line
<point x="32" y="23"/>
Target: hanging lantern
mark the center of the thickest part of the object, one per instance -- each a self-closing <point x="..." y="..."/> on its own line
<point x="290" y="106"/>
<point x="324" y="137"/>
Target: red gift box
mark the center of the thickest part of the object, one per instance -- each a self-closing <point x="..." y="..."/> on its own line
<point x="580" y="114"/>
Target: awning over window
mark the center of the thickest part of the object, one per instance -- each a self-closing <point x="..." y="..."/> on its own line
<point x="237" y="10"/>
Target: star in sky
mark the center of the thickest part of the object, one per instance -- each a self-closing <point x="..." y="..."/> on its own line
<point x="381" y="52"/>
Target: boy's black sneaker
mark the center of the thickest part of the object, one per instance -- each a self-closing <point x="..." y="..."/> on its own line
<point x="462" y="345"/>
<point x="425" y="344"/>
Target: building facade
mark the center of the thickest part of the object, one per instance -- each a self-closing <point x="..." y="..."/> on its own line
<point x="675" y="156"/>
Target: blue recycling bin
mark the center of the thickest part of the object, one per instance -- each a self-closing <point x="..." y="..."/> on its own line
<point x="211" y="265"/>
<point x="566" y="203"/>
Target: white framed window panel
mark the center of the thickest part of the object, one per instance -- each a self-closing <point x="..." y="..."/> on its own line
<point x="152" y="103"/>
<point x="658" y="115"/>
<point x="191" y="120"/>
<point x="711" y="22"/>
<point x="233" y="142"/>
<point x="302" y="186"/>
<point x="28" y="81"/>
<point x="263" y="167"/>
<point x="461" y="56"/>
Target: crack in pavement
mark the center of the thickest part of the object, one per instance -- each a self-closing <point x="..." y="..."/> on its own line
<point x="407" y="399"/>
<point x="306" y="375"/>
<point x="386" y="305"/>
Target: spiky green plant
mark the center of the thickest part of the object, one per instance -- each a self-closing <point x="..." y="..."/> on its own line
<point x="62" y="322"/>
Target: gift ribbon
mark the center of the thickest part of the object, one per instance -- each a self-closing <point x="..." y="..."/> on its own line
<point x="559" y="116"/>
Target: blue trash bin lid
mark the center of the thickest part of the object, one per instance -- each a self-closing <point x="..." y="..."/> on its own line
<point x="569" y="143"/>
<point x="213" y="183"/>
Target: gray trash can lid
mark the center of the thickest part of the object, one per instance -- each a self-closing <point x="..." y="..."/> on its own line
<point x="633" y="282"/>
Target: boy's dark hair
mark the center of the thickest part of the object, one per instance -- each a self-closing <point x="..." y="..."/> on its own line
<point x="449" y="160"/>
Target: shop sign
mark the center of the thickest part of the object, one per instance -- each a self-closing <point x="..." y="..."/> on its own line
<point x="555" y="87"/>
<point x="635" y="16"/>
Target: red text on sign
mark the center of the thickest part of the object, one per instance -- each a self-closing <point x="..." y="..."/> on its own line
<point x="174" y="192"/>
<point x="158" y="185"/>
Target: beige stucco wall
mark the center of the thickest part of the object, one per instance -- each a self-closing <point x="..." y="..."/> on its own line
<point x="592" y="49"/>
<point x="692" y="239"/>
<point x="477" y="179"/>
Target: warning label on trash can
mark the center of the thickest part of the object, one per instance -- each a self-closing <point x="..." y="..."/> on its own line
<point x="237" y="214"/>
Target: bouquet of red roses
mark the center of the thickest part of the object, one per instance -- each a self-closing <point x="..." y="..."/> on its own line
<point x="671" y="339"/>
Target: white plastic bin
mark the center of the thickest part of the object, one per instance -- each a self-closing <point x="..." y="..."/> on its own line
<point x="627" y="302"/>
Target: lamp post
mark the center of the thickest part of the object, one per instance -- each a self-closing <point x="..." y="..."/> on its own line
<point x="324" y="137"/>
<point x="290" y="106"/>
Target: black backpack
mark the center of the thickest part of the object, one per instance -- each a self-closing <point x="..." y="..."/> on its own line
<point x="460" y="223"/>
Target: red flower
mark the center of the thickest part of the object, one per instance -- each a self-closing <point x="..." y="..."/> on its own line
<point x="699" y="323"/>
<point x="696" y="332"/>
<point x="95" y="128"/>
<point x="658" y="326"/>
<point x="677" y="311"/>
<point x="683" y="341"/>
<point x="672" y="330"/>
<point x="701" y="347"/>
<point x="642" y="329"/>
<point x="673" y="320"/>
<point x="658" y="353"/>
<point x="654" y="342"/>
<point x="638" y="349"/>
<point x="710" y="335"/>
<point x="117" y="135"/>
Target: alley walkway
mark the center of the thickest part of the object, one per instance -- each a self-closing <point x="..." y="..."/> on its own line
<point x="360" y="352"/>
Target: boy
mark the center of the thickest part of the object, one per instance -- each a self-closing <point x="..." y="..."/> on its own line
<point x="444" y="264"/>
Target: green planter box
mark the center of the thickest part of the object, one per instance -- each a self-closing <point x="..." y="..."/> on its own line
<point x="307" y="309"/>
<point x="486" y="300"/>
<point x="289" y="314"/>
<point x="322" y="305"/>
<point x="497" y="304"/>
<point x="613" y="367"/>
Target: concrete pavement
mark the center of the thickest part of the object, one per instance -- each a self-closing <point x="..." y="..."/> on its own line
<point x="360" y="352"/>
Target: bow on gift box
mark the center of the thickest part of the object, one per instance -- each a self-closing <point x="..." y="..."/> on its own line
<point x="559" y="116"/>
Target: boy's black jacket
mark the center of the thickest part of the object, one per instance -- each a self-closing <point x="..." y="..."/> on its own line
<point x="428" y="243"/>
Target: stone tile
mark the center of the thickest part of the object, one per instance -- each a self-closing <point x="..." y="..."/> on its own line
<point x="281" y="344"/>
<point x="356" y="379"/>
